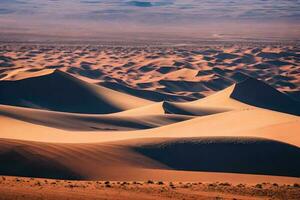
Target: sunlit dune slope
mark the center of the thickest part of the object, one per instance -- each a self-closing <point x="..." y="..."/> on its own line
<point x="267" y="124"/>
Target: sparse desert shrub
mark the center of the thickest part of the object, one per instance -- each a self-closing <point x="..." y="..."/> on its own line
<point x="38" y="183"/>
<point x="275" y="184"/>
<point x="212" y="185"/>
<point x="225" y="184"/>
<point x="107" y="184"/>
<point x="241" y="185"/>
<point x="296" y="185"/>
<point x="124" y="183"/>
<point x="160" y="183"/>
<point x="172" y="185"/>
<point x="3" y="178"/>
<point x="259" y="186"/>
<point x="150" y="182"/>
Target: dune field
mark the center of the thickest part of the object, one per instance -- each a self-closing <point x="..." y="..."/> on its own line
<point x="140" y="122"/>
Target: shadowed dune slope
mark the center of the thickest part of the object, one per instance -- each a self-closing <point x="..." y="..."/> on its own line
<point x="89" y="122"/>
<point x="246" y="94"/>
<point x="128" y="159"/>
<point x="221" y="154"/>
<point x="258" y="93"/>
<point x="60" y="91"/>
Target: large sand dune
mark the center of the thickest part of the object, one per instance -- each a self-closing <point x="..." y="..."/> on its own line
<point x="59" y="91"/>
<point x="130" y="158"/>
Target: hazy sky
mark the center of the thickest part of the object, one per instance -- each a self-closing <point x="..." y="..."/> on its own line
<point x="204" y="17"/>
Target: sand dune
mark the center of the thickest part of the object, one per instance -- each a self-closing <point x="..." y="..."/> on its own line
<point x="269" y="124"/>
<point x="89" y="122"/>
<point x="250" y="91"/>
<point x="130" y="158"/>
<point x="59" y="91"/>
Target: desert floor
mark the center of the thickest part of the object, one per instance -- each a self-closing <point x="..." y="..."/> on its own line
<point x="33" y="188"/>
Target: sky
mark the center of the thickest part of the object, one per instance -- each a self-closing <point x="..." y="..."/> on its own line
<point x="159" y="18"/>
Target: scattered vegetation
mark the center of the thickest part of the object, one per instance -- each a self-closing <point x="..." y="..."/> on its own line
<point x="124" y="183"/>
<point x="296" y="185"/>
<point x="107" y="184"/>
<point x="212" y="185"/>
<point x="172" y="185"/>
<point x="38" y="183"/>
<point x="150" y="182"/>
<point x="160" y="183"/>
<point x="225" y="184"/>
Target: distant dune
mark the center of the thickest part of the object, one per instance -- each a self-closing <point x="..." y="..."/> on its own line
<point x="145" y="94"/>
<point x="249" y="91"/>
<point x="60" y="91"/>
